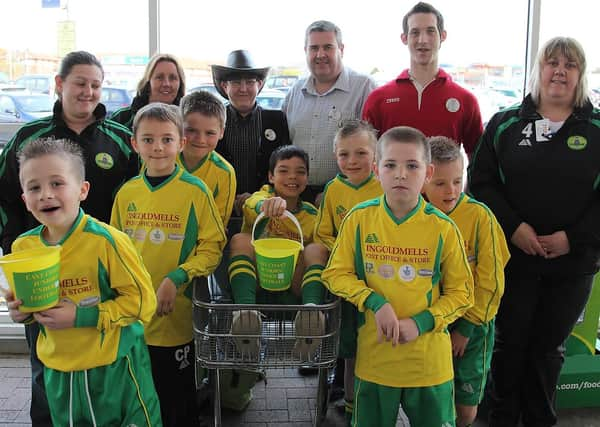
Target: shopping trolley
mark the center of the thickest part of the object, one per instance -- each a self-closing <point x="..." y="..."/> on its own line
<point x="216" y="348"/>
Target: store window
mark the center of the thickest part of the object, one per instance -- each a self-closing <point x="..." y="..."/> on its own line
<point x="579" y="21"/>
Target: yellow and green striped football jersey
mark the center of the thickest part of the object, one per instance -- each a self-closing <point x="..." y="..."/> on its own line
<point x="339" y="196"/>
<point x="416" y="263"/>
<point x="487" y="253"/>
<point x="177" y="229"/>
<point x="218" y="174"/>
<point x="104" y="276"/>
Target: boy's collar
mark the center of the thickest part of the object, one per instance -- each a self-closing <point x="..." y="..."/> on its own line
<point x="77" y="221"/>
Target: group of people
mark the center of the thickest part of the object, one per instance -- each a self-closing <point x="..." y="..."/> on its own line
<point x="438" y="286"/>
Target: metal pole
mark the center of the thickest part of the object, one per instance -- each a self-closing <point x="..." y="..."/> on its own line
<point x="533" y="38"/>
<point x="153" y="27"/>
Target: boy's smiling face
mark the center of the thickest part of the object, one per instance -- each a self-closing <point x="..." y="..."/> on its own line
<point x="402" y="171"/>
<point x="52" y="191"/>
<point x="289" y="178"/>
<point x="202" y="133"/>
<point x="355" y="157"/>
<point x="446" y="185"/>
<point x="158" y="143"/>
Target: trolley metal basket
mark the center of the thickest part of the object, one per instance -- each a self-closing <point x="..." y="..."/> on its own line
<point x="216" y="347"/>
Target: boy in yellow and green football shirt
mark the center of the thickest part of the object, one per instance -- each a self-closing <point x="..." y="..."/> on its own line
<point x="473" y="334"/>
<point x="92" y="342"/>
<point x="403" y="264"/>
<point x="172" y="220"/>
<point x="354" y="149"/>
<point x="204" y="123"/>
<point x="288" y="176"/>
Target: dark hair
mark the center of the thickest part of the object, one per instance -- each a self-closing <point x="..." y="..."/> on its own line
<point x="323" y="27"/>
<point x="423" y="7"/>
<point x="404" y="135"/>
<point x="352" y="127"/>
<point x="161" y="112"/>
<point x="287" y="152"/>
<point x="63" y="147"/>
<point x="80" y="57"/>
<point x="205" y="103"/>
<point x="444" y="149"/>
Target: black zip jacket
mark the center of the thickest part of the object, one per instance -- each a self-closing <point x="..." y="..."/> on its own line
<point x="109" y="161"/>
<point x="551" y="185"/>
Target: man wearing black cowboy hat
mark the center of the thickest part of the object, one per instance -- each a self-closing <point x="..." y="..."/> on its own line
<point x="252" y="133"/>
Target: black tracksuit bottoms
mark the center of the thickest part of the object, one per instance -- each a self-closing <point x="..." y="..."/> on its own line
<point x="535" y="318"/>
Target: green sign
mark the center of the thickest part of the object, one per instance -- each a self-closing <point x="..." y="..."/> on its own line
<point x="38" y="289"/>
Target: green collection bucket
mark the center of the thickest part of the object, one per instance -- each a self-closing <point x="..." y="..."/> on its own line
<point x="276" y="257"/>
<point x="33" y="277"/>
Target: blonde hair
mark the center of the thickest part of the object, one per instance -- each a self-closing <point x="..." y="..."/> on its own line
<point x="404" y="135"/>
<point x="444" y="150"/>
<point x="570" y="49"/>
<point x="160" y="112"/>
<point x="143" y="87"/>
<point x="353" y="127"/>
<point x="62" y="147"/>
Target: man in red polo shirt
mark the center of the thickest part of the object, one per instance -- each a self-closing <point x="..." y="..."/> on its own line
<point x="424" y="96"/>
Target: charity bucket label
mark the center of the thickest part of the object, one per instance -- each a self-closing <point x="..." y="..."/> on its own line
<point x="38" y="289"/>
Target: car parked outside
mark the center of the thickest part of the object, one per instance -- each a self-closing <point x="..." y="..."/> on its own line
<point x="24" y="107"/>
<point x="37" y="83"/>
<point x="281" y="82"/>
<point x="114" y="98"/>
<point x="270" y="99"/>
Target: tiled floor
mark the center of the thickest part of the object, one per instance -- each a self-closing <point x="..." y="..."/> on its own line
<point x="286" y="400"/>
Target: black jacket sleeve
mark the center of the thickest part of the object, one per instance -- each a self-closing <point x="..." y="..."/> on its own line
<point x="13" y="214"/>
<point x="486" y="180"/>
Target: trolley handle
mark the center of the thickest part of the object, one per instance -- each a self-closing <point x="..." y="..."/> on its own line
<point x="285" y="213"/>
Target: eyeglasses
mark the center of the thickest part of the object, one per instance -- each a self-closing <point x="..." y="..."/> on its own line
<point x="238" y="82"/>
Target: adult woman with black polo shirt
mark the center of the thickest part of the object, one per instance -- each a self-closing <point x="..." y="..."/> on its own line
<point x="538" y="167"/>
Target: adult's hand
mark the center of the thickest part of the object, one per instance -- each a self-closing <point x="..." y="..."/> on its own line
<point x="526" y="239"/>
<point x="555" y="244"/>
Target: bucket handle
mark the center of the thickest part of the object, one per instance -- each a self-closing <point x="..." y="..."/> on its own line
<point x="285" y="213"/>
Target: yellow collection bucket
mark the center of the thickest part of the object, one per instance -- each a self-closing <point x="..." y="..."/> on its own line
<point x="33" y="277"/>
<point x="276" y="257"/>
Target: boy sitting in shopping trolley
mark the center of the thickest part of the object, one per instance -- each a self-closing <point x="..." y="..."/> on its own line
<point x="276" y="210"/>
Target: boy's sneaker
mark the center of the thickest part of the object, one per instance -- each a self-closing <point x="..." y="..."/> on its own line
<point x="308" y="324"/>
<point x="246" y="322"/>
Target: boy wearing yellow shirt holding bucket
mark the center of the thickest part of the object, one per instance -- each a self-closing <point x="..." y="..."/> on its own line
<point x="288" y="176"/>
<point x="96" y="363"/>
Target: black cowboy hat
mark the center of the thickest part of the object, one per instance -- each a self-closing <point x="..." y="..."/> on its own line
<point x="239" y="63"/>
